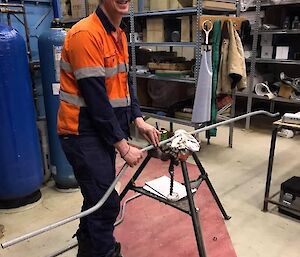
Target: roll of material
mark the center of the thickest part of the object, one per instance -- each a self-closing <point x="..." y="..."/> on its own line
<point x="263" y="90"/>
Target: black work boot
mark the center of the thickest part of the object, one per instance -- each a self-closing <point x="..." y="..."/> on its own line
<point x="84" y="245"/>
<point x="115" y="252"/>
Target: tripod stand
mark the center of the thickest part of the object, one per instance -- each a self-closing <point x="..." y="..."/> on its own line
<point x="187" y="204"/>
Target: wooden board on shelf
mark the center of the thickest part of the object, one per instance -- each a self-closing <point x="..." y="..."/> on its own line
<point x="172" y="73"/>
<point x="210" y="4"/>
<point x="168" y="66"/>
<point x="237" y="21"/>
<point x="218" y="5"/>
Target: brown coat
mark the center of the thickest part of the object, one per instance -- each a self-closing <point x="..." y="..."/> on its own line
<point x="232" y="71"/>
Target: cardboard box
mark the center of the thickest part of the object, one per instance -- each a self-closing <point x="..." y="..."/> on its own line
<point x="174" y="4"/>
<point x="188" y="53"/>
<point x="78" y="8"/>
<point x="217" y="5"/>
<point x="210" y="4"/>
<point x="285" y="91"/>
<point x="146" y="5"/>
<point x="159" y="5"/>
<point x="155" y="24"/>
<point x="155" y="36"/>
<point x="185" y="29"/>
<point x="282" y="52"/>
<point x="266" y="52"/>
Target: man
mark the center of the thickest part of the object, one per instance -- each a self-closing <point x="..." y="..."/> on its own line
<point x="97" y="104"/>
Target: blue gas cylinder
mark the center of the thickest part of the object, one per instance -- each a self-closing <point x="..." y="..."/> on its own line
<point x="50" y="45"/>
<point x="21" y="173"/>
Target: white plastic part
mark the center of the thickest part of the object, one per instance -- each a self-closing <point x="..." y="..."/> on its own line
<point x="185" y="141"/>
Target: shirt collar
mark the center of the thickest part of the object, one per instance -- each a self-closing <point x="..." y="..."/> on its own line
<point x="109" y="27"/>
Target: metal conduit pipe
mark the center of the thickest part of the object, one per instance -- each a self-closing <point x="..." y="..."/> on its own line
<point x="118" y="222"/>
<point x="121" y="173"/>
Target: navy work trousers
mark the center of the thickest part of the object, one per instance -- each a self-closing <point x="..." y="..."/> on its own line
<point x="93" y="162"/>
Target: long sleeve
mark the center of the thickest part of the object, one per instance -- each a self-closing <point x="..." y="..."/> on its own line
<point x="135" y="107"/>
<point x="87" y="61"/>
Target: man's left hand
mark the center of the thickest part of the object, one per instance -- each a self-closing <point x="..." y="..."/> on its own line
<point x="150" y="133"/>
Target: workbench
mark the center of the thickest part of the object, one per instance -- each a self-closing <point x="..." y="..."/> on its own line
<point x="269" y="199"/>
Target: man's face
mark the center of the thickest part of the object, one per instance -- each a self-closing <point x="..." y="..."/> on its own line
<point x="119" y="7"/>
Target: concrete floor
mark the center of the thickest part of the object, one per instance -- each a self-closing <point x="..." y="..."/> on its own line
<point x="238" y="175"/>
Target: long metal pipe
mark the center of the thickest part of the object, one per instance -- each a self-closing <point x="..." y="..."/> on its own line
<point x="121" y="173"/>
<point x="118" y="222"/>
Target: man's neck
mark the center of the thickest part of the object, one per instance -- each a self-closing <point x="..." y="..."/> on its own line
<point x="114" y="19"/>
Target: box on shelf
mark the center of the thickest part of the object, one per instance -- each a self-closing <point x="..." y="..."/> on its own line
<point x="267" y="52"/>
<point x="266" y="40"/>
<point x="217" y="5"/>
<point x="155" y="36"/>
<point x="188" y="52"/>
<point x="78" y="8"/>
<point x="155" y="30"/>
<point x="146" y="5"/>
<point x="285" y="91"/>
<point x="282" y="52"/>
<point x="159" y="5"/>
<point x="155" y="24"/>
<point x="174" y="4"/>
<point x="185" y="29"/>
<point x="210" y="4"/>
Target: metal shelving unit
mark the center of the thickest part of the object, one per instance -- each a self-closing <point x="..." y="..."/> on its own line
<point x="198" y="11"/>
<point x="177" y="12"/>
<point x="275" y="61"/>
<point x="197" y="45"/>
<point x="184" y="44"/>
<point x="276" y="99"/>
<point x="279" y="31"/>
<point x="254" y="60"/>
<point x="267" y="3"/>
<point x="171" y="79"/>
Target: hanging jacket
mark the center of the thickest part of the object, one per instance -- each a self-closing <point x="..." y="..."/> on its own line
<point x="232" y="71"/>
<point x="95" y="96"/>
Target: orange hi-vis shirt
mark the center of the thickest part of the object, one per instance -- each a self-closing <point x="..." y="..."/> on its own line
<point x="96" y="97"/>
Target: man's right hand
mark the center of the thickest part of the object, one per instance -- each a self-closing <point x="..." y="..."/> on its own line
<point x="133" y="156"/>
<point x="130" y="154"/>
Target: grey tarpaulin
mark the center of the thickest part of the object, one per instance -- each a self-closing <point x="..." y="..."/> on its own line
<point x="202" y="103"/>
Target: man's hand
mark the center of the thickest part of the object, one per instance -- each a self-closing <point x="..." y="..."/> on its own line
<point x="130" y="154"/>
<point x="150" y="133"/>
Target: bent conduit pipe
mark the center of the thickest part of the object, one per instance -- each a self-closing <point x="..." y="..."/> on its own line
<point x="122" y="171"/>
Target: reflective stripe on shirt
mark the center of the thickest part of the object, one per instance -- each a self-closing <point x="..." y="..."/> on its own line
<point x="89" y="72"/>
<point x="79" y="101"/>
<point x="65" y="66"/>
<point x="111" y="71"/>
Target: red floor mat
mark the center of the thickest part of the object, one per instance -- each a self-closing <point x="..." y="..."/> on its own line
<point x="153" y="229"/>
